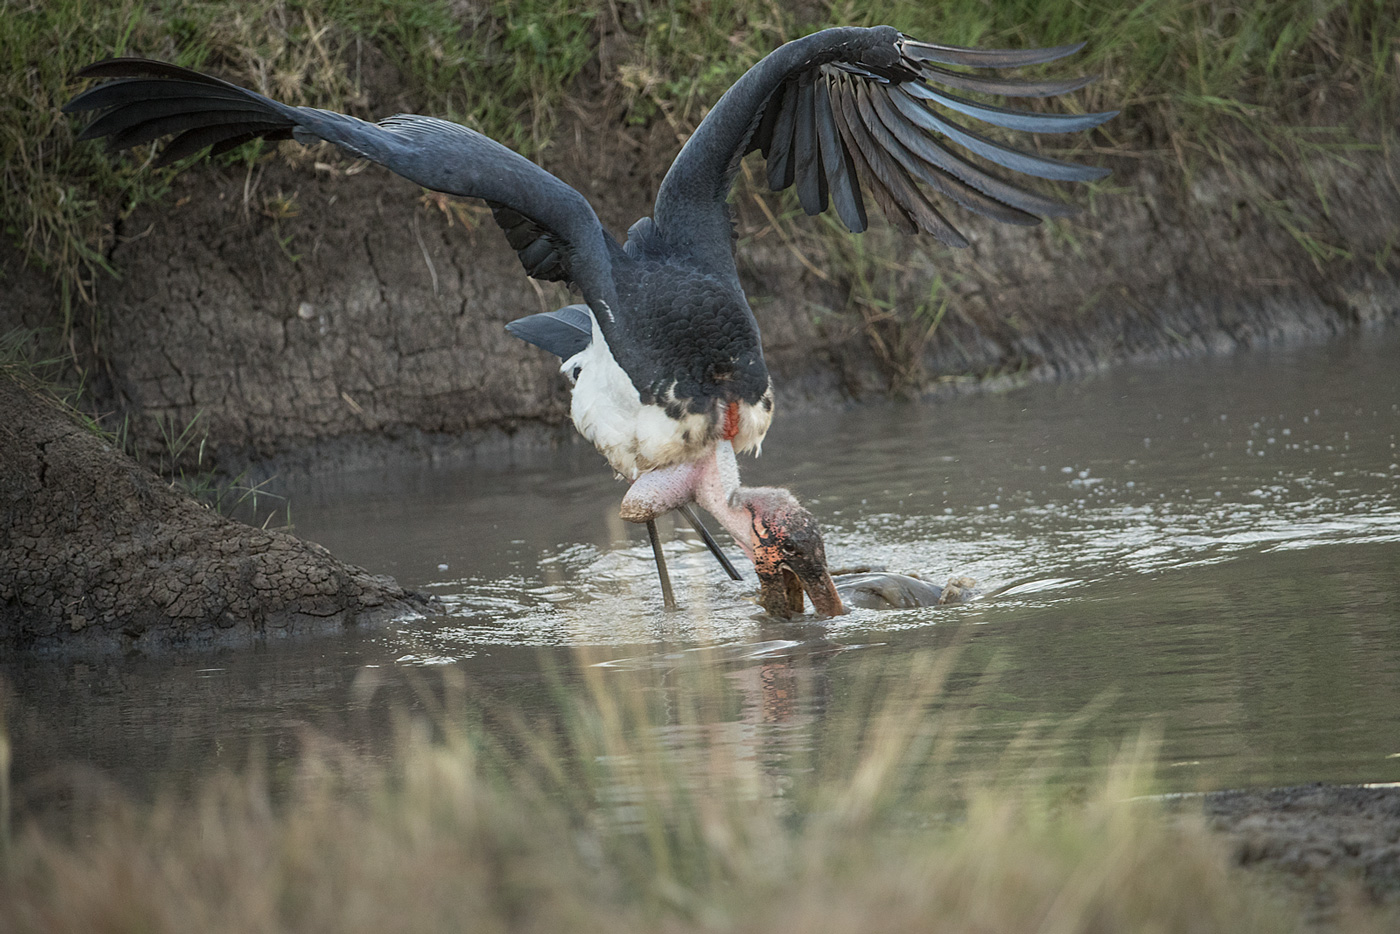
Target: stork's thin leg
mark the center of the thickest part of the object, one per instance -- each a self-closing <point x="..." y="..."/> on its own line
<point x="710" y="542"/>
<point x="666" y="594"/>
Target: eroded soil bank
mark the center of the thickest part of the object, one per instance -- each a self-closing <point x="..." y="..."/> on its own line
<point x="97" y="553"/>
<point x="296" y="305"/>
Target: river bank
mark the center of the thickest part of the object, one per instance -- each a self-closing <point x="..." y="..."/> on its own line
<point x="283" y="303"/>
<point x="370" y="314"/>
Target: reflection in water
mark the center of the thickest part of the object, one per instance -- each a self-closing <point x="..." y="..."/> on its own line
<point x="1211" y="546"/>
<point x="774" y="694"/>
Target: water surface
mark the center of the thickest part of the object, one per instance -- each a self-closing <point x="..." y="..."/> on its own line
<point x="1212" y="547"/>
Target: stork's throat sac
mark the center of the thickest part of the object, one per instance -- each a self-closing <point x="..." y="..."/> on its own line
<point x="660" y="491"/>
<point x="777" y="534"/>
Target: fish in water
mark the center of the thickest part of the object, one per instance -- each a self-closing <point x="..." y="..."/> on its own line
<point x="877" y="589"/>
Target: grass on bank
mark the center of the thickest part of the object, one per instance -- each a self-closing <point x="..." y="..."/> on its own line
<point x="1196" y="81"/>
<point x="639" y="815"/>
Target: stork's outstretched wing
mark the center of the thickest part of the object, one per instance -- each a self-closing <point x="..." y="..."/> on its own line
<point x="549" y="224"/>
<point x="849" y="107"/>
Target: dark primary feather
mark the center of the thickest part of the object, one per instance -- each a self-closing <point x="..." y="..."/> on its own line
<point x="921" y="156"/>
<point x="1015" y="159"/>
<point x="847" y="122"/>
<point x="136" y="123"/>
<point x="124" y="90"/>
<point x="763" y="134"/>
<point x="982" y="58"/>
<point x="154" y="99"/>
<point x="781" y="164"/>
<point x="956" y="167"/>
<point x="563" y="333"/>
<point x="879" y="149"/>
<point x="841" y="181"/>
<point x="1023" y="120"/>
<point x="129" y="67"/>
<point x="849" y="107"/>
<point x="223" y="139"/>
<point x="811" y="181"/>
<point x="1004" y="87"/>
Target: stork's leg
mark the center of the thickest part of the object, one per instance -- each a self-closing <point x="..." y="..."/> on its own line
<point x="666" y="595"/>
<point x="710" y="543"/>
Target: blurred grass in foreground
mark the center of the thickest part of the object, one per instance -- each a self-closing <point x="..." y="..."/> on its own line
<point x="636" y="816"/>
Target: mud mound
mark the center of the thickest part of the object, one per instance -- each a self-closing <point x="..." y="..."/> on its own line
<point x="97" y="553"/>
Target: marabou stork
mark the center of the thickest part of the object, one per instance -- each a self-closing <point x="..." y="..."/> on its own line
<point x="672" y="365"/>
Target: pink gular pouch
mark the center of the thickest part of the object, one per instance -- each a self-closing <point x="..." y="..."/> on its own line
<point x="777" y="534"/>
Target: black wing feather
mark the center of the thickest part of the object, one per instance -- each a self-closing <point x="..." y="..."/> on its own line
<point x="992" y="185"/>
<point x="781" y="164"/>
<point x="899" y="184"/>
<point x="243" y="133"/>
<point x="983" y="58"/>
<point x="841" y="179"/>
<point x="811" y="180"/>
<point x="124" y="90"/>
<point x="1023" y="120"/>
<point x="223" y="137"/>
<point x="1002" y="86"/>
<point x="1014" y="159"/>
<point x="922" y="157"/>
<point x="846" y="120"/>
<point x="763" y="136"/>
<point x="124" y="129"/>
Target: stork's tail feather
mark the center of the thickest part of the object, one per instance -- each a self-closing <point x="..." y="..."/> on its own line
<point x="154" y="99"/>
<point x="563" y="333"/>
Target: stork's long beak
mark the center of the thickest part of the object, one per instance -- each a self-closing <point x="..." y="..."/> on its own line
<point x="819" y="587"/>
<point x="783" y="595"/>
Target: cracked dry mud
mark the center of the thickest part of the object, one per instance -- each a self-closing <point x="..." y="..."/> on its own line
<point x="97" y="553"/>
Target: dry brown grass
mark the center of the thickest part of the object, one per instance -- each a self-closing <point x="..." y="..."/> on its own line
<point x="607" y="827"/>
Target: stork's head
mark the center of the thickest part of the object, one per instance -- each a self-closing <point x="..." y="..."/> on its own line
<point x="786" y="547"/>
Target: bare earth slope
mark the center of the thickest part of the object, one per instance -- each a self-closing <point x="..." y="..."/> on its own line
<point x="295" y="305"/>
<point x="98" y="553"/>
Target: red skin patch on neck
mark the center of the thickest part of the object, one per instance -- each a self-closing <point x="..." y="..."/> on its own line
<point x="731" y="421"/>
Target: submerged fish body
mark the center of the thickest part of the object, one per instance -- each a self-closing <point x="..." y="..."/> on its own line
<point x="882" y="590"/>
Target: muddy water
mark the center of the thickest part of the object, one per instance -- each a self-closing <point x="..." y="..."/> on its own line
<point x="1211" y="547"/>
